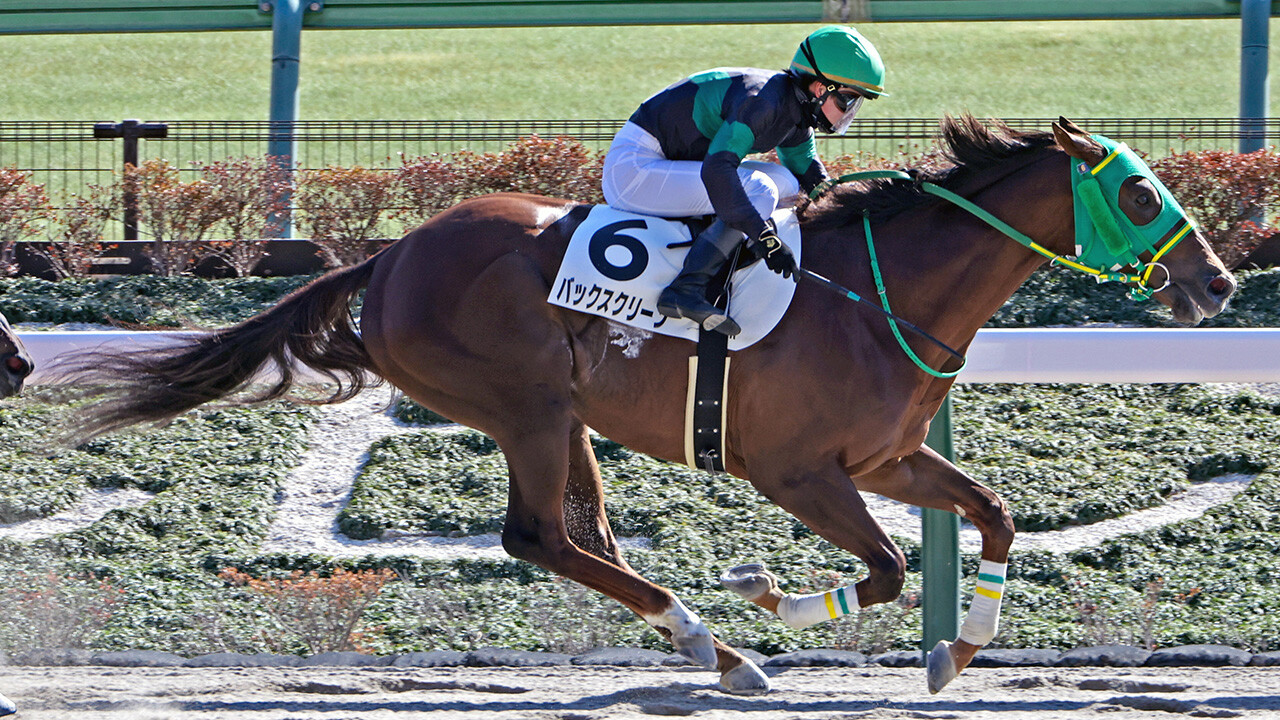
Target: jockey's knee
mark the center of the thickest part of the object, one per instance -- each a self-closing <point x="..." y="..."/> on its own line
<point x="763" y="193"/>
<point x="887" y="571"/>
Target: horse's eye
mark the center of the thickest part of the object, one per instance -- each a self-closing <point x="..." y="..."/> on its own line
<point x="1143" y="199"/>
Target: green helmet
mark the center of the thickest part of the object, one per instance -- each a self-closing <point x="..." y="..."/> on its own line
<point x="839" y="54"/>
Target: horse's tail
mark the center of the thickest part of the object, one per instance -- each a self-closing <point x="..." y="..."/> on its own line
<point x="311" y="327"/>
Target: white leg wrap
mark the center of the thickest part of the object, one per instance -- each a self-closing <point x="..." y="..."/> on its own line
<point x="801" y="611"/>
<point x="680" y="620"/>
<point x="688" y="633"/>
<point x="983" y="620"/>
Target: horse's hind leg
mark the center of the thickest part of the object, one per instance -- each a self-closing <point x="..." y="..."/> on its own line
<point x="586" y="522"/>
<point x="494" y="355"/>
<point x="539" y="462"/>
<point x="588" y="528"/>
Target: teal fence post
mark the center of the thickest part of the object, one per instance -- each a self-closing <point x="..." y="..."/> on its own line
<point x="286" y="51"/>
<point x="1255" y="16"/>
<point x="940" y="551"/>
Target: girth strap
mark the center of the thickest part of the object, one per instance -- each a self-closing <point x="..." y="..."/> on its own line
<point x="707" y="398"/>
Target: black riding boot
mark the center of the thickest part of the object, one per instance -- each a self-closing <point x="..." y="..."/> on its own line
<point x="686" y="296"/>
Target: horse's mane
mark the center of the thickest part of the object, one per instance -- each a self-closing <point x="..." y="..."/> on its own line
<point x="968" y="146"/>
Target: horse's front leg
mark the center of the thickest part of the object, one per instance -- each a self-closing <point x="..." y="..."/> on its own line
<point x="926" y="479"/>
<point x="825" y="500"/>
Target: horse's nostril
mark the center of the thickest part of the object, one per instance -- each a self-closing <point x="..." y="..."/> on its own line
<point x="17" y="365"/>
<point x="1220" y="286"/>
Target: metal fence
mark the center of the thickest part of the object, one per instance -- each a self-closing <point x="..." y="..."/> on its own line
<point x="65" y="156"/>
<point x="60" y="151"/>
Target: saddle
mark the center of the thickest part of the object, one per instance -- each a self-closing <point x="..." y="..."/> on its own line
<point x="618" y="262"/>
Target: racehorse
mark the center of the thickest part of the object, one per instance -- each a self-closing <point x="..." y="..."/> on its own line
<point x="15" y="363"/>
<point x="826" y="405"/>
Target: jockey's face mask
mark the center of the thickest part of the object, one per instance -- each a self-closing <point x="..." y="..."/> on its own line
<point x="847" y="101"/>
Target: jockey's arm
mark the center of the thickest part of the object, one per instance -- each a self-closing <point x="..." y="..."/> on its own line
<point x="724" y="187"/>
<point x="803" y="162"/>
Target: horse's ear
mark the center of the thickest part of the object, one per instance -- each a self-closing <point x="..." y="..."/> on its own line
<point x="1069" y="125"/>
<point x="1077" y="143"/>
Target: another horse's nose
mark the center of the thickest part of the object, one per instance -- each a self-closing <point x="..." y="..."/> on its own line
<point x="18" y="366"/>
<point x="1221" y="287"/>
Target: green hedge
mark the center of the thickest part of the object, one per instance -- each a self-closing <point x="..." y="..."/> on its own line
<point x="1052" y="297"/>
<point x="1060" y="454"/>
<point x="150" y="301"/>
<point x="1059" y="297"/>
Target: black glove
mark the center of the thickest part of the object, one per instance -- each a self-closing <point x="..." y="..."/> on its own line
<point x="776" y="256"/>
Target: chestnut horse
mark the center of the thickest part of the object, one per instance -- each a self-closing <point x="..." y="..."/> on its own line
<point x="826" y="405"/>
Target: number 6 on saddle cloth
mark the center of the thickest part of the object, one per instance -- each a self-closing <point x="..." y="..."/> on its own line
<point x="616" y="265"/>
<point x="618" y="262"/>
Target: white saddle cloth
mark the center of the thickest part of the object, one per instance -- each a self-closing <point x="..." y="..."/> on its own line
<point x="618" y="262"/>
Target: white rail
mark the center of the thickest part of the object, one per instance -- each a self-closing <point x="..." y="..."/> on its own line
<point x="1124" y="355"/>
<point x="1089" y="355"/>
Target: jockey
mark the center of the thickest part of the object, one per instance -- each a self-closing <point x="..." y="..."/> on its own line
<point x="681" y="154"/>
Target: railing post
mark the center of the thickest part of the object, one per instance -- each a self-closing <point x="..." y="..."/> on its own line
<point x="286" y="52"/>
<point x="1255" y="17"/>
<point x="130" y="131"/>
<point x="940" y="550"/>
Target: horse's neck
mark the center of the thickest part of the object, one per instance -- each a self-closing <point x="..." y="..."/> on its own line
<point x="949" y="272"/>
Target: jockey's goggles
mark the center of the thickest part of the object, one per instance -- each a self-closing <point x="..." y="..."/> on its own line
<point x="847" y="99"/>
<point x="848" y="102"/>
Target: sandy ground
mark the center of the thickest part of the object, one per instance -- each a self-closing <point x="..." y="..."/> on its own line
<point x="586" y="693"/>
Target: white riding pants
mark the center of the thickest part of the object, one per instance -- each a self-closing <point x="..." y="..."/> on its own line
<point x="639" y="178"/>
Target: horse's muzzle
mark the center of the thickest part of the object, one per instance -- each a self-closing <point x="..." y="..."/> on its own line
<point x="1220" y="289"/>
<point x="14" y="369"/>
<point x="1204" y="297"/>
<point x="1217" y="291"/>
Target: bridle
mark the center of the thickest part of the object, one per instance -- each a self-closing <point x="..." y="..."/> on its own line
<point x="1107" y="241"/>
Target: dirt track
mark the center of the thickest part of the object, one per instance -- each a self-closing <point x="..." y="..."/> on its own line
<point x="586" y="693"/>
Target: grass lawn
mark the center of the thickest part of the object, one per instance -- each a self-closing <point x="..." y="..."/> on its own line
<point x="1151" y="68"/>
<point x="1060" y="454"/>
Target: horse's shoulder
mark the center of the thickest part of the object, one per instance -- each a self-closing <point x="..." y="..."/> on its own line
<point x="563" y="221"/>
<point x="534" y="211"/>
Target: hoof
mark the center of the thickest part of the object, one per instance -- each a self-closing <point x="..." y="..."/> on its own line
<point x="686" y="631"/>
<point x="940" y="667"/>
<point x="699" y="649"/>
<point x="746" y="679"/>
<point x="750" y="581"/>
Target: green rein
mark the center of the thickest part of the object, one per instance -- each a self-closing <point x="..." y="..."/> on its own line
<point x="1089" y="200"/>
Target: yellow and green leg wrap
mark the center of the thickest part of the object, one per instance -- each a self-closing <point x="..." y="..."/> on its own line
<point x="801" y="611"/>
<point x="983" y="620"/>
